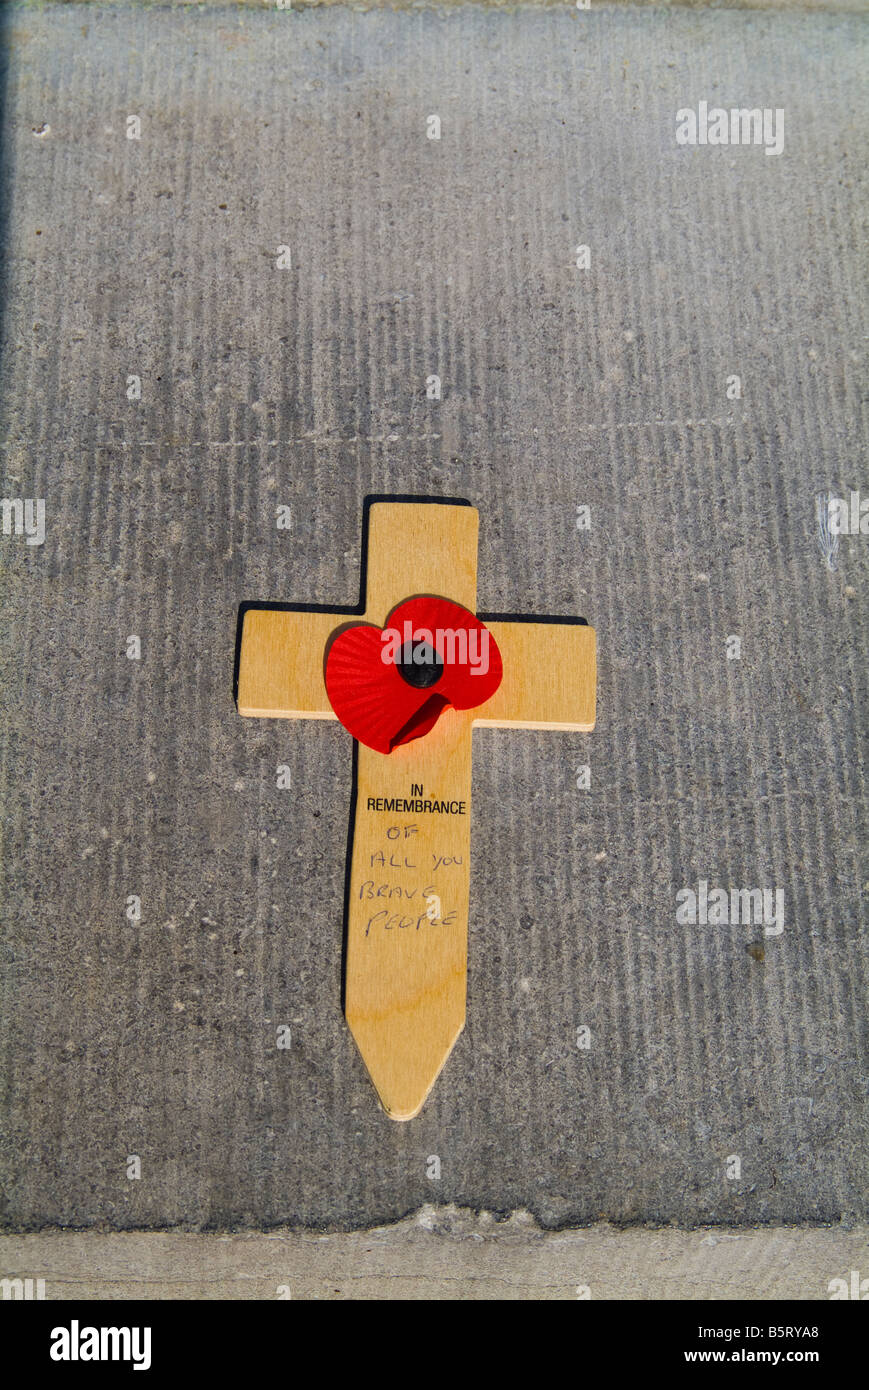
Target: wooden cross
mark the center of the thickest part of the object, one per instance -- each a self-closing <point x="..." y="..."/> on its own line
<point x="407" y="927"/>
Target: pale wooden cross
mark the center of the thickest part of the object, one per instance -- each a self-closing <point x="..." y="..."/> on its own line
<point x="407" y="929"/>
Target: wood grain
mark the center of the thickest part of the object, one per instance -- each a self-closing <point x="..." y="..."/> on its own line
<point x="406" y="972"/>
<point x="549" y="671"/>
<point x="550" y="677"/>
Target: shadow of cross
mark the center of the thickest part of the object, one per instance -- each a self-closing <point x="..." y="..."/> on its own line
<point x="407" y="928"/>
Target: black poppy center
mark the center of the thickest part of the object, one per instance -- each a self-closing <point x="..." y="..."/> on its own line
<point x="420" y="665"/>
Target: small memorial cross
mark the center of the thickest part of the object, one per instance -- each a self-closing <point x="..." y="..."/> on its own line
<point x="410" y="680"/>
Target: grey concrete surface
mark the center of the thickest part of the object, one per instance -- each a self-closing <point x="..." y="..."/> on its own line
<point x="512" y="6"/>
<point x="562" y="388"/>
<point x="442" y="1253"/>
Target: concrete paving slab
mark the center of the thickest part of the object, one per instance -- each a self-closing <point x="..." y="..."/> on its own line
<point x="441" y="1253"/>
<point x="724" y="1078"/>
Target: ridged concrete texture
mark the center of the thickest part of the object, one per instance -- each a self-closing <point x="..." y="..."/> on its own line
<point x="617" y="1063"/>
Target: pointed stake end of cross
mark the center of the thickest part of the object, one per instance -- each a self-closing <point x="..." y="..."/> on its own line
<point x="405" y="1060"/>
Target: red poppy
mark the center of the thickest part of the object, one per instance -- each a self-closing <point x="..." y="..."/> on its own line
<point x="390" y="685"/>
